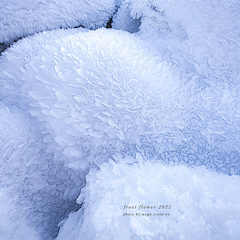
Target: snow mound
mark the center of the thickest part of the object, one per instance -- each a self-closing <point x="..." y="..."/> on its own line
<point x="98" y="93"/>
<point x="22" y="18"/>
<point x="127" y="200"/>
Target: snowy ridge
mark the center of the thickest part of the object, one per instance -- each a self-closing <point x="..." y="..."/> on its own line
<point x="22" y="18"/>
<point x="201" y="204"/>
<point x="95" y="103"/>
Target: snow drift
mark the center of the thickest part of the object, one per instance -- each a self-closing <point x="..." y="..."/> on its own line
<point x="200" y="204"/>
<point x="22" y="18"/>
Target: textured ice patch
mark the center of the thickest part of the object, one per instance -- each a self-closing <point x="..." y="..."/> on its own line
<point x="200" y="204"/>
<point x="22" y="18"/>
<point x="123" y="20"/>
<point x="97" y="93"/>
<point x="13" y="226"/>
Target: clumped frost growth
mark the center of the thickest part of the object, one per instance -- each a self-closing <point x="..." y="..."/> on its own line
<point x="95" y="103"/>
<point x="22" y="18"/>
<point x="37" y="191"/>
<point x="201" y="37"/>
<point x="150" y="117"/>
<point x="201" y="204"/>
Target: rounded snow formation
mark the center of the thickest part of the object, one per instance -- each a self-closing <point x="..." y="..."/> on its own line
<point x="134" y="201"/>
<point x="100" y="93"/>
<point x="74" y="99"/>
<point x="22" y="18"/>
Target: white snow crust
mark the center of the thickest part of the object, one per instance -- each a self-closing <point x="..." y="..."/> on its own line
<point x="22" y="18"/>
<point x="204" y="205"/>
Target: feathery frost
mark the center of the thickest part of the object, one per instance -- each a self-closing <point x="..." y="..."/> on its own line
<point x="145" y="113"/>
<point x="103" y="92"/>
<point x="126" y="200"/>
<point x="22" y="18"/>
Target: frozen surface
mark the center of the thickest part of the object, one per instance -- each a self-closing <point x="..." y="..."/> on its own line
<point x="22" y="18"/>
<point x="123" y="20"/>
<point x="2" y="47"/>
<point x="13" y="226"/>
<point x="204" y="205"/>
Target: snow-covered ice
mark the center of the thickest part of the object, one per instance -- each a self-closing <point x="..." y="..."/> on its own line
<point x="22" y="18"/>
<point x="201" y="37"/>
<point x="200" y="204"/>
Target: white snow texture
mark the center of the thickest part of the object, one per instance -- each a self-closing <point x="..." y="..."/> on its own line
<point x="37" y="191"/>
<point x="95" y="103"/>
<point x="22" y="18"/>
<point x="201" y="204"/>
<point x="149" y="112"/>
<point x="202" y="37"/>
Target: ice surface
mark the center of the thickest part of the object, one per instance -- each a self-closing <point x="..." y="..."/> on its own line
<point x="203" y="204"/>
<point x="122" y="20"/>
<point x="13" y="226"/>
<point x="22" y="18"/>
